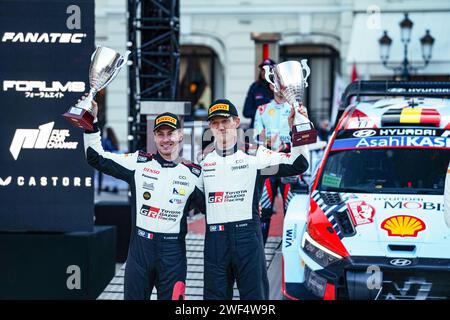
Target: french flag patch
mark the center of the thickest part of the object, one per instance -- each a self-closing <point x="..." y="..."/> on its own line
<point x="219" y="227"/>
<point x="145" y="234"/>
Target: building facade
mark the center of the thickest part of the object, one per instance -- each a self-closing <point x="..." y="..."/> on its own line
<point x="334" y="35"/>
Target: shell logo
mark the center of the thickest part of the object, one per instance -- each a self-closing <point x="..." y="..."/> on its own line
<point x="403" y="226"/>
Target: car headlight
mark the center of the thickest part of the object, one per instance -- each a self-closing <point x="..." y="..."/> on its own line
<point x="317" y="252"/>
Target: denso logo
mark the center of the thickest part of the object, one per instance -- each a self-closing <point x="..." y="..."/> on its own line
<point x="45" y="37"/>
<point x="150" y="170"/>
<point x="42" y="138"/>
<point x="210" y="164"/>
<point x="413" y="205"/>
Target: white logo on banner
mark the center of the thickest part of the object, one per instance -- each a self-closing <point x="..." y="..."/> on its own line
<point x="42" y="138"/>
<point x="43" y="181"/>
<point x="364" y="133"/>
<point x="40" y="89"/>
<point x="5" y="182"/>
<point x="74" y="279"/>
<point x="46" y="37"/>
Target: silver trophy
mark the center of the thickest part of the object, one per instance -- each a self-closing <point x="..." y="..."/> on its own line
<point x="105" y="65"/>
<point x="289" y="79"/>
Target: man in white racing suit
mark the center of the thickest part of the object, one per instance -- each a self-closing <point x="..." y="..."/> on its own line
<point x="162" y="188"/>
<point x="232" y="178"/>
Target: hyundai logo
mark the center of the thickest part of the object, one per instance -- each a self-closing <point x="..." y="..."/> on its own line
<point x="400" y="262"/>
<point x="364" y="133"/>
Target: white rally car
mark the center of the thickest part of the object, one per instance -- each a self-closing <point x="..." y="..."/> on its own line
<point x="373" y="224"/>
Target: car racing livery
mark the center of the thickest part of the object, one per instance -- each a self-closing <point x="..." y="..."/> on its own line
<point x="373" y="225"/>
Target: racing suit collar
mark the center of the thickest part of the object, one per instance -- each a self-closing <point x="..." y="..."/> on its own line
<point x="164" y="163"/>
<point x="226" y="152"/>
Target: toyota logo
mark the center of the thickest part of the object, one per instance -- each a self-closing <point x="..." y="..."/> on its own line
<point x="364" y="133"/>
<point x="400" y="262"/>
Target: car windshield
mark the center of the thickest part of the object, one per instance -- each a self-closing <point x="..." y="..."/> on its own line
<point x="395" y="170"/>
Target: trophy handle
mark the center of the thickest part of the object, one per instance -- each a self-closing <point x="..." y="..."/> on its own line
<point x="95" y="51"/>
<point x="268" y="71"/>
<point x="123" y="59"/>
<point x="307" y="70"/>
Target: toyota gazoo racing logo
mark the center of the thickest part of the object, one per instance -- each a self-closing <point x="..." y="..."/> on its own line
<point x="43" y="89"/>
<point x="227" y="196"/>
<point x="149" y="211"/>
<point x="42" y="37"/>
<point x="215" y="197"/>
<point x="43" y="138"/>
<point x="364" y="133"/>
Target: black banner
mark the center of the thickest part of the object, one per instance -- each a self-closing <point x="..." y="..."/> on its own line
<point x="45" y="49"/>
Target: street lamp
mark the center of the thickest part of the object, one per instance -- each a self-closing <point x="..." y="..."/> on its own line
<point x="385" y="44"/>
<point x="405" y="69"/>
<point x="406" y="26"/>
<point x="427" y="42"/>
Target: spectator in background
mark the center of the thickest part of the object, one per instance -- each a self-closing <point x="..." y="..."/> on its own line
<point x="110" y="142"/>
<point x="258" y="94"/>
<point x="323" y="130"/>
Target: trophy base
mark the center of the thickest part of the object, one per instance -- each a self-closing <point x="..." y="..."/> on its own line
<point x="303" y="134"/>
<point x="80" y="118"/>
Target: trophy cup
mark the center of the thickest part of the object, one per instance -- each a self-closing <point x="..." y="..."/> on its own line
<point x="105" y="64"/>
<point x="290" y="81"/>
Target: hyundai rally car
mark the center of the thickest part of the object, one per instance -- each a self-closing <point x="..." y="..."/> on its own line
<point x="373" y="224"/>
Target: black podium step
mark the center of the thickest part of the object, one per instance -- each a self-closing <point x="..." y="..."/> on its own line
<point x="76" y="265"/>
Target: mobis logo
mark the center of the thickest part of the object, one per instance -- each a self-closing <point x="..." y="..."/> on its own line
<point x="44" y="37"/>
<point x="43" y="138"/>
<point x="42" y="89"/>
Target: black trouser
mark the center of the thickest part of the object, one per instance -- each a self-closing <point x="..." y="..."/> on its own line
<point x="270" y="190"/>
<point x="156" y="259"/>
<point x="234" y="251"/>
